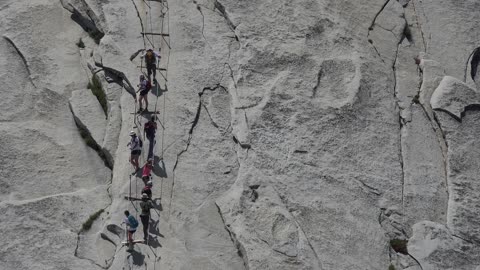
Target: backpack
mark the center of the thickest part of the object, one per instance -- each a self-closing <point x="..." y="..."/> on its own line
<point x="148" y="86"/>
<point x="133" y="222"/>
<point x="150" y="58"/>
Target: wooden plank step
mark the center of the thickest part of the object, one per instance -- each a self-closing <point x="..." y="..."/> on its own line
<point x="155" y="34"/>
<point x="138" y="241"/>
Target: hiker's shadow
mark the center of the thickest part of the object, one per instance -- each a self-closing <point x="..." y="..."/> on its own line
<point x="153" y="242"/>
<point x="154" y="229"/>
<point x="137" y="258"/>
<point x="157" y="89"/>
<point x="157" y="204"/>
<point x="159" y="167"/>
<point x="139" y="172"/>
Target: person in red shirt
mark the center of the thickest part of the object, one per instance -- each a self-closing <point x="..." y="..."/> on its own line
<point x="147" y="170"/>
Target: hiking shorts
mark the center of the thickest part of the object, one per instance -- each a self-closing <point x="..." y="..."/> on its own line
<point x="132" y="231"/>
<point x="136" y="153"/>
<point x="143" y="92"/>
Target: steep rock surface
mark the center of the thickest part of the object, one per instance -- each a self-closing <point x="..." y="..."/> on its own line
<point x="292" y="134"/>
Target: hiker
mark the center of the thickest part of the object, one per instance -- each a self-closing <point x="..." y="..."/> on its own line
<point x="147" y="171"/>
<point x="151" y="57"/>
<point x="150" y="129"/>
<point x="148" y="189"/>
<point x="132" y="225"/>
<point x="143" y="88"/>
<point x="135" y="149"/>
<point x="145" y="205"/>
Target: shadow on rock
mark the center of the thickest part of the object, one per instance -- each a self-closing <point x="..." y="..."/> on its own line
<point x="157" y="90"/>
<point x="153" y="242"/>
<point x="137" y="257"/>
<point x="157" y="204"/>
<point x="115" y="229"/>
<point x="159" y="167"/>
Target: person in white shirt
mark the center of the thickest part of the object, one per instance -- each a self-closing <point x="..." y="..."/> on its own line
<point x="135" y="149"/>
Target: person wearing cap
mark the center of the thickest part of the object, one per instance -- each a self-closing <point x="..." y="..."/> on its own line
<point x="132" y="225"/>
<point x="145" y="205"/>
<point x="151" y="57"/>
<point x="147" y="170"/>
<point x="148" y="189"/>
<point x="150" y="128"/>
<point x="143" y="87"/>
<point x="135" y="149"/>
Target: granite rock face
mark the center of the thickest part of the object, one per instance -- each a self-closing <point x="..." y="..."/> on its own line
<point x="291" y="134"/>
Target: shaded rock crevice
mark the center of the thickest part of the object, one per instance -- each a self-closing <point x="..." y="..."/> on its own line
<point x="84" y="16"/>
<point x="90" y="142"/>
<point x="223" y="12"/>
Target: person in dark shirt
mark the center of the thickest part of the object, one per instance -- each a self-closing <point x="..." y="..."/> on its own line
<point x="150" y="128"/>
<point x="145" y="205"/>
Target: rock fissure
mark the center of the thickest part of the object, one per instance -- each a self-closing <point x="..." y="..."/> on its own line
<point x="221" y="9"/>
<point x="419" y="26"/>
<point x="240" y="249"/>
<point x="474" y="59"/>
<point x="24" y="60"/>
<point x="89" y="23"/>
<point x="90" y="142"/>
<point x="199" y="8"/>
<point x="315" y="88"/>
<point x="401" y="122"/>
<point x="141" y="23"/>
<point x="370" y="28"/>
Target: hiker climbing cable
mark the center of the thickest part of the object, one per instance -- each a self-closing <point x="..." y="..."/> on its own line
<point x="148" y="189"/>
<point x="150" y="129"/>
<point x="143" y="87"/>
<point x="132" y="225"/>
<point x="147" y="170"/>
<point x="135" y="149"/>
<point x="145" y="205"/>
<point x="151" y="57"/>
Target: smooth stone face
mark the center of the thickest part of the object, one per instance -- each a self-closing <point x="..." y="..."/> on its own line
<point x="292" y="134"/>
<point x="453" y="96"/>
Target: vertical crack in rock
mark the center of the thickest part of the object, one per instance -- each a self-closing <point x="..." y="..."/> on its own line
<point x="315" y="88"/>
<point x="90" y="142"/>
<point x="87" y="259"/>
<point x="240" y="249"/>
<point x="199" y="8"/>
<point x="437" y="129"/>
<point x="376" y="16"/>
<point x="141" y="23"/>
<point x="190" y="134"/>
<point x="419" y="26"/>
<point x="474" y="59"/>
<point x="24" y="60"/>
<point x="442" y="140"/>
<point x="221" y="9"/>
<point x="401" y="122"/>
